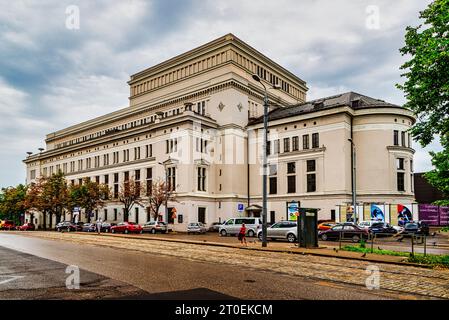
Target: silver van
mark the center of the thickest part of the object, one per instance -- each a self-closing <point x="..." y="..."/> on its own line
<point x="232" y="226"/>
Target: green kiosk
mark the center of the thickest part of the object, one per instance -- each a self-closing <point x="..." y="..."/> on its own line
<point x="307" y="222"/>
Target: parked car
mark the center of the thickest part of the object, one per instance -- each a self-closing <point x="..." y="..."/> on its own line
<point x="286" y="230"/>
<point x="68" y="226"/>
<point x="89" y="227"/>
<point x="127" y="227"/>
<point x="382" y="229"/>
<point x="27" y="227"/>
<point x="233" y="225"/>
<point x="215" y="227"/>
<point x="106" y="226"/>
<point x="417" y="227"/>
<point x="155" y="226"/>
<point x="325" y="225"/>
<point x="7" y="225"/>
<point x="196" y="227"/>
<point x="353" y="232"/>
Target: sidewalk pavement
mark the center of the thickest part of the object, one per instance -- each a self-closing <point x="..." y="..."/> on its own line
<point x="292" y="249"/>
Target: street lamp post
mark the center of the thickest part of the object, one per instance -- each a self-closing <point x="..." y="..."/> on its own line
<point x="264" y="161"/>
<point x="354" y="200"/>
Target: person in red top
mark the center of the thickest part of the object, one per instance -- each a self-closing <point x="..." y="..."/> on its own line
<point x="242" y="234"/>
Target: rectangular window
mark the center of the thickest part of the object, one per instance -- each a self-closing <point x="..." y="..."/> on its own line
<point x="400" y="163"/>
<point x="396" y="137"/>
<point x="295" y="143"/>
<point x="305" y="141"/>
<point x="202" y="215"/>
<point x="115" y="214"/>
<point x="106" y="159"/>
<point x="276" y="146"/>
<point x="273" y="182"/>
<point x="311" y="165"/>
<point x="286" y="144"/>
<point x="105" y="214"/>
<point x="172" y="178"/>
<point x="201" y="179"/>
<point x="311" y="182"/>
<point x="148" y="150"/>
<point x="403" y="138"/>
<point x="315" y="140"/>
<point x="291" y="184"/>
<point x="149" y="181"/>
<point x="400" y="181"/>
<point x="291" y="167"/>
<point x="268" y="148"/>
<point x="106" y="179"/>
<point x="33" y="174"/>
<point x="136" y="153"/>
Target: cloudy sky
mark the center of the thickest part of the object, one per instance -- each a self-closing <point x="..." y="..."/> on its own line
<point x="52" y="76"/>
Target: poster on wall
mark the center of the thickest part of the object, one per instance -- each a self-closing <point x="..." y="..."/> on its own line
<point x="292" y="210"/>
<point x="377" y="212"/>
<point x="404" y="214"/>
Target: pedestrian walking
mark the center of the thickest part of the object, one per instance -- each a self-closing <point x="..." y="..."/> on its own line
<point x="242" y="234"/>
<point x="99" y="223"/>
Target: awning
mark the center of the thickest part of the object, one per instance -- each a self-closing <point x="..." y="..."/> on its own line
<point x="254" y="207"/>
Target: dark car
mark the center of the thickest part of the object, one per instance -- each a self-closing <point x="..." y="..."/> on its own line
<point x="89" y="227"/>
<point x="106" y="226"/>
<point x="417" y="227"/>
<point x="126" y="227"/>
<point x="345" y="231"/>
<point x="215" y="227"/>
<point x="27" y="227"/>
<point x="68" y="226"/>
<point x="382" y="229"/>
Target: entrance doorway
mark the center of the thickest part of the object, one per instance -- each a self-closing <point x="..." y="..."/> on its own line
<point x="201" y="214"/>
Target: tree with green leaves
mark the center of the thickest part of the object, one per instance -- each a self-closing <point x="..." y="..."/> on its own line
<point x="427" y="84"/>
<point x="439" y="177"/>
<point x="12" y="203"/>
<point x="427" y="72"/>
<point x="89" y="195"/>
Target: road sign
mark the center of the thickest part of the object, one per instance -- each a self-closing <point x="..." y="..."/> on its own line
<point x="240" y="207"/>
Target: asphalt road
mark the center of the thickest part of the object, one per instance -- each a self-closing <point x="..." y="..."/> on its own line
<point x="108" y="272"/>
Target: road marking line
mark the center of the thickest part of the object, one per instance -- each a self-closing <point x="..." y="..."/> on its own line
<point x="11" y="278"/>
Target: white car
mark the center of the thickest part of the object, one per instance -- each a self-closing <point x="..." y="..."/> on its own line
<point x="196" y="227"/>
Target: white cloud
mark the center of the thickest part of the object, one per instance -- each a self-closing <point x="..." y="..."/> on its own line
<point x="54" y="77"/>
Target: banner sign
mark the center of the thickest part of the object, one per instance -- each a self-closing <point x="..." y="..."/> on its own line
<point x="377" y="212"/>
<point x="444" y="216"/>
<point x="404" y="214"/>
<point x="292" y="210"/>
<point x="429" y="213"/>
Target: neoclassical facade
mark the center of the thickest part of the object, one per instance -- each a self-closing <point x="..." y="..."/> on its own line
<point x="196" y="119"/>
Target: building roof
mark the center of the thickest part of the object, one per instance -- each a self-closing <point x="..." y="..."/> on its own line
<point x="351" y="99"/>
